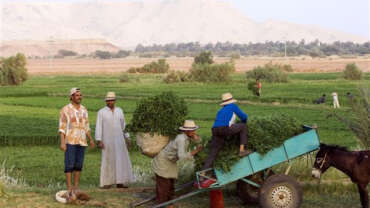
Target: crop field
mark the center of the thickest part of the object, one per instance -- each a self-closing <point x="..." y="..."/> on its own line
<point x="29" y="151"/>
<point x="86" y="66"/>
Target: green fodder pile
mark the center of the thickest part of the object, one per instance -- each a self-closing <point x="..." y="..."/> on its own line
<point x="161" y="114"/>
<point x="264" y="134"/>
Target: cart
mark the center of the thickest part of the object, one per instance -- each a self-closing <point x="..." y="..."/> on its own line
<point x="276" y="191"/>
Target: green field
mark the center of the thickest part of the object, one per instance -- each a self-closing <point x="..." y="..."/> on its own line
<point x="29" y="121"/>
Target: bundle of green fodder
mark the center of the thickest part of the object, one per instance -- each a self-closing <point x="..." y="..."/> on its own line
<point x="252" y="86"/>
<point x="264" y="134"/>
<point x="156" y="119"/>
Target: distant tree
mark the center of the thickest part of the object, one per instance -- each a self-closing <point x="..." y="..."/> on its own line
<point x="161" y="66"/>
<point x="103" y="54"/>
<point x="212" y="72"/>
<point x="64" y="53"/>
<point x="270" y="73"/>
<point x="122" y="54"/>
<point x="13" y="70"/>
<point x="352" y="72"/>
<point x="235" y="56"/>
<point x="204" y="57"/>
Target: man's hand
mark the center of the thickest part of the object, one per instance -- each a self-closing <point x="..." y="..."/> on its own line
<point x="128" y="142"/>
<point x="197" y="150"/>
<point x="92" y="144"/>
<point x="192" y="134"/>
<point x="200" y="147"/>
<point x="63" y="147"/>
<point x="101" y="144"/>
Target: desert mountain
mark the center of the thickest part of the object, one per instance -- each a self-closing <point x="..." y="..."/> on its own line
<point x="128" y="23"/>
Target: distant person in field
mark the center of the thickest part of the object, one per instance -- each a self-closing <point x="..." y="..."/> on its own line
<point x="110" y="133"/>
<point x="73" y="128"/>
<point x="225" y="126"/>
<point x="350" y="96"/>
<point x="259" y="87"/>
<point x="335" y="100"/>
<point x="321" y="99"/>
<point x="165" y="163"/>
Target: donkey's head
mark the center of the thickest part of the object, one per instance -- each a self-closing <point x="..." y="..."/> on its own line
<point x="324" y="159"/>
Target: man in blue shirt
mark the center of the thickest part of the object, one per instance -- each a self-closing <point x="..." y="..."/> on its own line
<point x="225" y="126"/>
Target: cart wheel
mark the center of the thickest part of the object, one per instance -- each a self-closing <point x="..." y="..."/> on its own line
<point x="280" y="191"/>
<point x="248" y="193"/>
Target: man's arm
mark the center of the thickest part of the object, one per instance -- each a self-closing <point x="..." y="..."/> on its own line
<point x="243" y="116"/>
<point x="87" y="130"/>
<point x="99" y="130"/>
<point x="92" y="144"/>
<point x="126" y="135"/>
<point x="62" y="130"/>
<point x="63" y="145"/>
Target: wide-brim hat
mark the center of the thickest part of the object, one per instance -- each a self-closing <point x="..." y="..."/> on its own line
<point x="227" y="98"/>
<point x="110" y="96"/>
<point x="189" y="125"/>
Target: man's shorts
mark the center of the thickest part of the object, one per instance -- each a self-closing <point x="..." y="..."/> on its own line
<point x="74" y="158"/>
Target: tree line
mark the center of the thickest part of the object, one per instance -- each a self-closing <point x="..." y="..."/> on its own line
<point x="234" y="50"/>
<point x="269" y="48"/>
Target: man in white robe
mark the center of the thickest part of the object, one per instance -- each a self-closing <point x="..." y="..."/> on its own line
<point x="109" y="132"/>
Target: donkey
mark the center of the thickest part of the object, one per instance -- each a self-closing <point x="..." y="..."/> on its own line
<point x="355" y="164"/>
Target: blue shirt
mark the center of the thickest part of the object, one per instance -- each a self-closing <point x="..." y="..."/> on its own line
<point x="226" y="115"/>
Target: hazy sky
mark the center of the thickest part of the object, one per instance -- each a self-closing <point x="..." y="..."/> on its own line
<point x="345" y="15"/>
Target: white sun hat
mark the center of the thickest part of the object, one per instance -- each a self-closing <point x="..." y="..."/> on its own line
<point x="110" y="96"/>
<point x="189" y="125"/>
<point x="74" y="90"/>
<point x="227" y="98"/>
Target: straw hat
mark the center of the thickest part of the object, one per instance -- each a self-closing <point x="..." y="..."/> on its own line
<point x="74" y="90"/>
<point x="227" y="98"/>
<point x="189" y="125"/>
<point x="110" y="96"/>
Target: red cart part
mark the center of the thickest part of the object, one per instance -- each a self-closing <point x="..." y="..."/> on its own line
<point x="216" y="199"/>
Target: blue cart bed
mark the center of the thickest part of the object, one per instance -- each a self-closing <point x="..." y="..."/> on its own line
<point x="296" y="146"/>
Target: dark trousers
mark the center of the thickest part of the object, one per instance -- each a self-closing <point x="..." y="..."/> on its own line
<point x="165" y="189"/>
<point x="218" y="138"/>
<point x="74" y="158"/>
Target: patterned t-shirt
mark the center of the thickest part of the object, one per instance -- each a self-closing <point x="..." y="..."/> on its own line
<point x="74" y="124"/>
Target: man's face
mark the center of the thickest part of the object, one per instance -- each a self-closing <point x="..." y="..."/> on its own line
<point x="77" y="98"/>
<point x="110" y="103"/>
<point x="193" y="136"/>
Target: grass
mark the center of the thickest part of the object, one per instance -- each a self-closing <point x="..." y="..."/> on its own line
<point x="43" y="166"/>
<point x="29" y="118"/>
<point x="36" y="197"/>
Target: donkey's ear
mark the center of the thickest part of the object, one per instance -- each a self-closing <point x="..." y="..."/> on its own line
<point x="322" y="145"/>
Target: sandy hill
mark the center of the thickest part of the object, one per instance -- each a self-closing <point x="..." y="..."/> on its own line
<point x="51" y="47"/>
<point x="129" y="23"/>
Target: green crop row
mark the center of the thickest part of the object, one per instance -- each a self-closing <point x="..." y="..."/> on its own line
<point x="29" y="140"/>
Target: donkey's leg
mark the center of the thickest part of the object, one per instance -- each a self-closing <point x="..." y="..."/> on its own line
<point x="363" y="195"/>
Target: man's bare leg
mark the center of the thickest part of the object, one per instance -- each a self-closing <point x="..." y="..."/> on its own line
<point x="242" y="148"/>
<point x="76" y="180"/>
<point x="69" y="181"/>
<point x="71" y="195"/>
